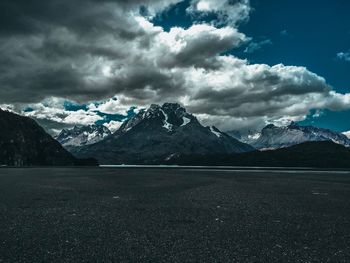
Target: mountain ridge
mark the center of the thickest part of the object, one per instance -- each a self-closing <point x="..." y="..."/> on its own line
<point x="159" y="133"/>
<point x="275" y="137"/>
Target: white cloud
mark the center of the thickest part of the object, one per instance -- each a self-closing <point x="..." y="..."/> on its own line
<point x="195" y="46"/>
<point x="60" y="115"/>
<point x="344" y="56"/>
<point x="7" y="107"/>
<point x="228" y="12"/>
<point x="257" y="94"/>
<point x="54" y="114"/>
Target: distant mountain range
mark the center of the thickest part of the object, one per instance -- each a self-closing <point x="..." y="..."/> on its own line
<point x="273" y="137"/>
<point x="168" y="134"/>
<point x="24" y="143"/>
<point x="158" y="134"/>
<point x="82" y="135"/>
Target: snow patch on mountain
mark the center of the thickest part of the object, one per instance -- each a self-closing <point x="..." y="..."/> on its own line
<point x="113" y="126"/>
<point x="347" y="134"/>
<point x="185" y="121"/>
<point x="83" y="135"/>
<point x="166" y="125"/>
<point x="215" y="131"/>
<point x="255" y="136"/>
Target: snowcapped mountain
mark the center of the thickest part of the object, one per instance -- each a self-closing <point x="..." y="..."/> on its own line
<point x="347" y="134"/>
<point x="170" y="115"/>
<point x="82" y="135"/>
<point x="273" y="137"/>
<point x="160" y="133"/>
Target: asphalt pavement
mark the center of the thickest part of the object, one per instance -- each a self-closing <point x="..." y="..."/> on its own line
<point x="174" y="215"/>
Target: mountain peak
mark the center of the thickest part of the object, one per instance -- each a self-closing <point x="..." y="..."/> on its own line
<point x="172" y="106"/>
<point x="153" y="107"/>
<point x="170" y="116"/>
<point x="159" y="133"/>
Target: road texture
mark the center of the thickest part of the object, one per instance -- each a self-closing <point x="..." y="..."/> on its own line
<point x="173" y="215"/>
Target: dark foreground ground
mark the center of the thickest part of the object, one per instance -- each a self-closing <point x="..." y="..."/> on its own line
<point x="173" y="215"/>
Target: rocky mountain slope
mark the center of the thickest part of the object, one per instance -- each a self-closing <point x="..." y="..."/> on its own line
<point x="24" y="143"/>
<point x="158" y="134"/>
<point x="82" y="135"/>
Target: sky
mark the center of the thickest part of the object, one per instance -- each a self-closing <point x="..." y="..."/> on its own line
<point x="235" y="64"/>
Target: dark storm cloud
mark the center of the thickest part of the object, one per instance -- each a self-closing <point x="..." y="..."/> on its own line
<point x="53" y="50"/>
<point x="33" y="86"/>
<point x="28" y="17"/>
<point x="83" y="16"/>
<point x="62" y="48"/>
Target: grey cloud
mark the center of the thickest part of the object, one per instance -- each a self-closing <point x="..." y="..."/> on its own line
<point x="59" y="48"/>
<point x="46" y="43"/>
<point x="203" y="43"/>
<point x="254" y="92"/>
<point x="27" y="17"/>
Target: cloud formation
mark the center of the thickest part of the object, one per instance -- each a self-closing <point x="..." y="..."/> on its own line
<point x="226" y="11"/>
<point x="56" y="113"/>
<point x="344" y="56"/>
<point x="255" y="46"/>
<point x="109" y="56"/>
